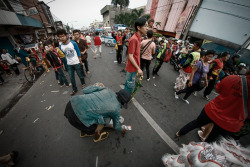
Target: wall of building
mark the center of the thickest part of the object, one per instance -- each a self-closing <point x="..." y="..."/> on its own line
<point x="227" y="22"/>
<point x="154" y="6"/>
<point x="110" y="14"/>
<point x="176" y="10"/>
<point x="148" y="7"/>
<point x="162" y="12"/>
<point x="17" y="7"/>
<point x="27" y="4"/>
<point x="173" y="15"/>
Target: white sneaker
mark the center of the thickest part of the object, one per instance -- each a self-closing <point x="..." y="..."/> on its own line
<point x="206" y="97"/>
<point x="148" y="79"/>
<point x="185" y="101"/>
<point x="176" y="96"/>
<point x="195" y="93"/>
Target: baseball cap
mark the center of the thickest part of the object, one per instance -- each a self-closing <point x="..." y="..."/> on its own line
<point x="125" y="97"/>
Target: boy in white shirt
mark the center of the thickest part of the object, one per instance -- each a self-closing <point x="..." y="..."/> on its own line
<point x="73" y="56"/>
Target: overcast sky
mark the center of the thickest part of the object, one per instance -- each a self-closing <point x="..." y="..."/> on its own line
<point x="83" y="11"/>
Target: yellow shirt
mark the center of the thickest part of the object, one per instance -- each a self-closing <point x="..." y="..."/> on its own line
<point x="60" y="53"/>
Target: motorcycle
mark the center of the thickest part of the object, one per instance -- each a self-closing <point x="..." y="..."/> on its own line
<point x="175" y="60"/>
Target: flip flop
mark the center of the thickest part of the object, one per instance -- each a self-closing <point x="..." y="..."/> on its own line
<point x="203" y="139"/>
<point x="102" y="136"/>
<point x="62" y="85"/>
<point x="68" y="85"/>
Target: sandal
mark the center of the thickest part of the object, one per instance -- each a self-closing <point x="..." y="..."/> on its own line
<point x="82" y="134"/>
<point x="83" y="86"/>
<point x="68" y="85"/>
<point x="177" y="134"/>
<point x="203" y="139"/>
<point x="73" y="93"/>
<point x="100" y="137"/>
<point x="62" y="85"/>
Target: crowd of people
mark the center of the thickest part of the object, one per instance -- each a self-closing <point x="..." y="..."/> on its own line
<point x="199" y="69"/>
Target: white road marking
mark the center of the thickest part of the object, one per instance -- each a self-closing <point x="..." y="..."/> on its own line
<point x="156" y="127"/>
<point x="96" y="161"/>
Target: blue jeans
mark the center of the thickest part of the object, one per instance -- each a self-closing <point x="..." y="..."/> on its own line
<point x="64" y="60"/>
<point x="71" y="71"/>
<point x="61" y="77"/>
<point x="130" y="81"/>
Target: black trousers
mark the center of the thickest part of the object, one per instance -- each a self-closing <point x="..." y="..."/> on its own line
<point x="15" y="68"/>
<point x="119" y="54"/>
<point x="85" y="62"/>
<point x="202" y="120"/>
<point x="210" y="87"/>
<point x="74" y="120"/>
<point x="146" y="63"/>
<point x="158" y="63"/>
<point x="188" y="91"/>
<point x="1" y="78"/>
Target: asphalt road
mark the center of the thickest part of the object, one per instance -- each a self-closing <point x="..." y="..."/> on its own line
<point x="45" y="137"/>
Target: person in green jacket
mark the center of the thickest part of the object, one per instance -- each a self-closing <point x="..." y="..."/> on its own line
<point x="163" y="55"/>
<point x="95" y="109"/>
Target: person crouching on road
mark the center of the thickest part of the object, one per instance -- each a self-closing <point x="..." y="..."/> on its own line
<point x="95" y="109"/>
<point x="56" y="63"/>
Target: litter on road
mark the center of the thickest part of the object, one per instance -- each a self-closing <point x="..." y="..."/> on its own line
<point x="65" y="92"/>
<point x="41" y="82"/>
<point x="43" y="94"/>
<point x="154" y="84"/>
<point x="43" y="101"/>
<point x="35" y="120"/>
<point x="49" y="107"/>
<point x="127" y="127"/>
<point x="55" y="91"/>
<point x="50" y="85"/>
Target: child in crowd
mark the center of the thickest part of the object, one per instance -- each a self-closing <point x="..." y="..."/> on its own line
<point x="56" y="63"/>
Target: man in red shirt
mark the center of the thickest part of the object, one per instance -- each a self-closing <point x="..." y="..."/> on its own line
<point x="226" y="111"/>
<point x="133" y="62"/>
<point x="98" y="44"/>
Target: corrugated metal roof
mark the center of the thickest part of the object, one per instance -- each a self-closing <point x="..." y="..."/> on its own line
<point x="8" y="18"/>
<point x="11" y="18"/>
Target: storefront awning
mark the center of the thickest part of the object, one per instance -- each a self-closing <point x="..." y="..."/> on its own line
<point x="28" y="21"/>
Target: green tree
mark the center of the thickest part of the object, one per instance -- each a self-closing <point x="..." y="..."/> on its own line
<point x="122" y="3"/>
<point x="147" y="16"/>
<point x="130" y="18"/>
